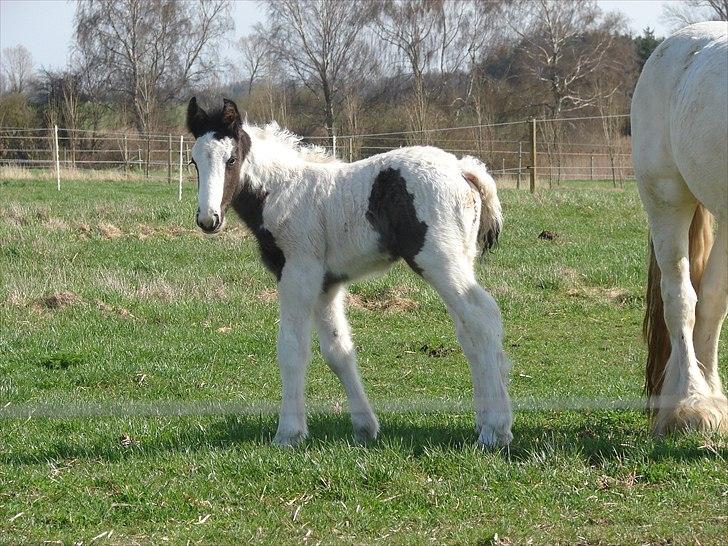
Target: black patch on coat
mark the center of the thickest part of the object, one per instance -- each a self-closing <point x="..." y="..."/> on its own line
<point x="332" y="279"/>
<point x="248" y="204"/>
<point x="392" y="214"/>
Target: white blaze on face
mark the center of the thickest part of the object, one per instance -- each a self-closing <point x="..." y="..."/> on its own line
<point x="211" y="155"/>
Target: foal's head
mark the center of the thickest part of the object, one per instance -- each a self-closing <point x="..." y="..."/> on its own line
<point x="218" y="154"/>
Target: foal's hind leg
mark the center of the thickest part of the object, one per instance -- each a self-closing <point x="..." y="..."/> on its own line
<point x="710" y="313"/>
<point x="685" y="401"/>
<point x="337" y="349"/>
<point x="480" y="333"/>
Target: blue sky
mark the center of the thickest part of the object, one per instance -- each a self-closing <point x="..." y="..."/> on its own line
<point x="45" y="27"/>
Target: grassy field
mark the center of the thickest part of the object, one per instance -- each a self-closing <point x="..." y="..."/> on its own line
<point x="115" y="314"/>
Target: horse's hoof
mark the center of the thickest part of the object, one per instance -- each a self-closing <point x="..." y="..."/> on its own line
<point x="289" y="438"/>
<point x="696" y="412"/>
<point x="367" y="429"/>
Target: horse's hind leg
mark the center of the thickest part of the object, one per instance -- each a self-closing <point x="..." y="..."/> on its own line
<point x="710" y="313"/>
<point x="685" y="399"/>
<point x="480" y="333"/>
<point x="337" y="349"/>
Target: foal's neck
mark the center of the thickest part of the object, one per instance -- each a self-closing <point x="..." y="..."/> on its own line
<point x="274" y="164"/>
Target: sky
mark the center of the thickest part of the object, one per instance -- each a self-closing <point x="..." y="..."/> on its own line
<point x="45" y="27"/>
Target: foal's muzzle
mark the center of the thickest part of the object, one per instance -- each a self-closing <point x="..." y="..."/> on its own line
<point x="209" y="223"/>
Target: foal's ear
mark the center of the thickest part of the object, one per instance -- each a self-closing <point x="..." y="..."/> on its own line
<point x="231" y="117"/>
<point x="197" y="120"/>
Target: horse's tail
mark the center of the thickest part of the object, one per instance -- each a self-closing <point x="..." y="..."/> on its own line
<point x="653" y="327"/>
<point x="491" y="218"/>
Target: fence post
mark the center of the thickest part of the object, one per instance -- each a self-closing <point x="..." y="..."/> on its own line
<point x="591" y="167"/>
<point x="520" y="164"/>
<point x="58" y="162"/>
<point x="351" y="149"/>
<point x="181" y="151"/>
<point x="126" y="153"/>
<point x="503" y="166"/>
<point x="333" y="145"/>
<point x="169" y="160"/>
<point x="146" y="166"/>
<point x="533" y="155"/>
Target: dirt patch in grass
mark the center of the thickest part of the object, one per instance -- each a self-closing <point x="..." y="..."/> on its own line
<point x="614" y="296"/>
<point x="437" y="352"/>
<point x="391" y="301"/>
<point x="56" y="301"/>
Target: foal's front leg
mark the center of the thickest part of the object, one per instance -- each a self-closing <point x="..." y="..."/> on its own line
<point x="298" y="290"/>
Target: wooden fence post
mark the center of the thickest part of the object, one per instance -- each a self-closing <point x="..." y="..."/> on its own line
<point x="351" y="149"/>
<point x="520" y="164"/>
<point x="126" y="153"/>
<point x="533" y="155"/>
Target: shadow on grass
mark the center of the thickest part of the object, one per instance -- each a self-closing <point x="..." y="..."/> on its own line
<point x="597" y="437"/>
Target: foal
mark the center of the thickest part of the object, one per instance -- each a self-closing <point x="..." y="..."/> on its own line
<point x="320" y="223"/>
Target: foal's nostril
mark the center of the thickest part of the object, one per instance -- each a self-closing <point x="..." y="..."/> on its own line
<point x="215" y="221"/>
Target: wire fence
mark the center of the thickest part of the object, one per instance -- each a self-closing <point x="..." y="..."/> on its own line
<point x="534" y="153"/>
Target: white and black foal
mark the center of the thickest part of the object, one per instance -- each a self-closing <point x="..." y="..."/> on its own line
<point x="321" y="223"/>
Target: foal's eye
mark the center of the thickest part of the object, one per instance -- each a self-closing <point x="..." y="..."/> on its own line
<point x="231" y="161"/>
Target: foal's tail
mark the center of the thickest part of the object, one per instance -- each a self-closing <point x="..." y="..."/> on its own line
<point x="491" y="218"/>
<point x="653" y="326"/>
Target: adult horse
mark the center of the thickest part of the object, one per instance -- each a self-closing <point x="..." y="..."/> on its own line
<point x="680" y="153"/>
<point x="321" y="223"/>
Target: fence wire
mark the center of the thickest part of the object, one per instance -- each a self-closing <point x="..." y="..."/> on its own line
<point x="579" y="148"/>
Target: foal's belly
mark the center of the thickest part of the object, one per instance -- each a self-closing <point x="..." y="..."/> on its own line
<point x="353" y="261"/>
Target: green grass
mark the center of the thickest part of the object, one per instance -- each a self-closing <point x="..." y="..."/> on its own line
<point x="111" y="302"/>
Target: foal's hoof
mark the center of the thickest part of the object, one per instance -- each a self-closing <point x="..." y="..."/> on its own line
<point x="696" y="412"/>
<point x="366" y="429"/>
<point x="491" y="437"/>
<point x="288" y="438"/>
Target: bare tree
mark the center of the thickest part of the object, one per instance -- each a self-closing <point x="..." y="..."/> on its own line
<point x="682" y="14"/>
<point x="412" y="28"/>
<point x="17" y="68"/>
<point x="320" y="43"/>
<point x="151" y="51"/>
<point x="253" y="54"/>
<point x="564" y="44"/>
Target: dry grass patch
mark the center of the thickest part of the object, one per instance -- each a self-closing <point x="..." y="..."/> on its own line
<point x="113" y="310"/>
<point x="56" y="224"/>
<point x="158" y="289"/>
<point x="19" y="215"/>
<point x="269" y="295"/>
<point x="109" y="231"/>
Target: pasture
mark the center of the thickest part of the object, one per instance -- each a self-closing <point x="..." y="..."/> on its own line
<point x="138" y="388"/>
